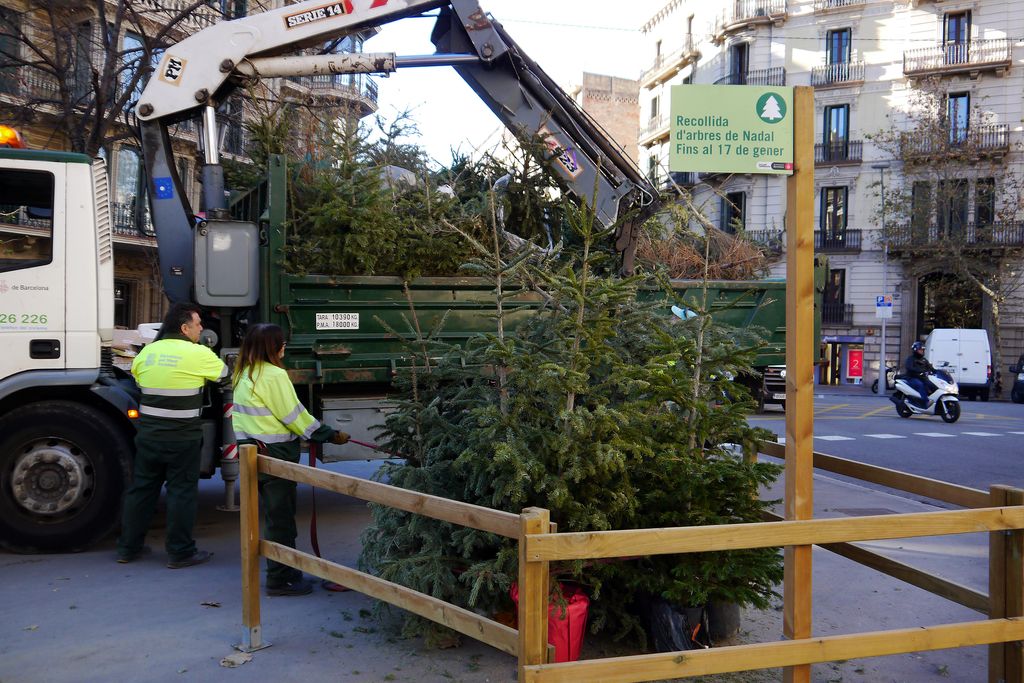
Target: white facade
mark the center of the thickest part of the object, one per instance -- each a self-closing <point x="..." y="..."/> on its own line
<point x="864" y="58"/>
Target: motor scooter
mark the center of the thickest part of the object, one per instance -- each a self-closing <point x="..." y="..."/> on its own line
<point x="943" y="398"/>
<point x="890" y="379"/>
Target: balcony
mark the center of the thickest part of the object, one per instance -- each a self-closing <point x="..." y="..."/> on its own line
<point x="668" y="65"/>
<point x="831" y="5"/>
<point x="839" y="153"/>
<point x="837" y="75"/>
<point x="837" y="315"/>
<point x="771" y="241"/>
<point x="990" y="140"/>
<point x="125" y="223"/>
<point x="773" y="76"/>
<point x="956" y="58"/>
<point x="841" y="242"/>
<point x="351" y="89"/>
<point x="995" y="236"/>
<point x="748" y="14"/>
<point x="654" y="131"/>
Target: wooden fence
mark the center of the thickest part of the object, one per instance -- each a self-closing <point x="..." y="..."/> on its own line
<point x="999" y="512"/>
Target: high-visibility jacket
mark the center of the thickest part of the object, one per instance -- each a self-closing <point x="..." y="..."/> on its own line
<point x="268" y="410"/>
<point x="171" y="373"/>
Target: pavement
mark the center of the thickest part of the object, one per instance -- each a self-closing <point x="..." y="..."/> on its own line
<point x="82" y="617"/>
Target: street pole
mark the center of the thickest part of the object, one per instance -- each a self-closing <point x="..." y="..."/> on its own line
<point x="882" y="367"/>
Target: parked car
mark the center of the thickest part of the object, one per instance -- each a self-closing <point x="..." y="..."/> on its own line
<point x="965" y="354"/>
<point x="1017" y="393"/>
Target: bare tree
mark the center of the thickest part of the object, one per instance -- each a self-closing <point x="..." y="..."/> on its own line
<point x="66" y="63"/>
<point x="958" y="209"/>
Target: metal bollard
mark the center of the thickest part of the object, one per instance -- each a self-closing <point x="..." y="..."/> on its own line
<point x="229" y="453"/>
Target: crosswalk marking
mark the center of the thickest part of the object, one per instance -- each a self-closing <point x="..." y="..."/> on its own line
<point x="834" y="438"/>
<point x="886" y="436"/>
<point x="981" y="433"/>
<point x="936" y="435"/>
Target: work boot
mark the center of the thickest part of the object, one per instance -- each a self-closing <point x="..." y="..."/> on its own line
<point x="299" y="586"/>
<point x="131" y="557"/>
<point x="198" y="557"/>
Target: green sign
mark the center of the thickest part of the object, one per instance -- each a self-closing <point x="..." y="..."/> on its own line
<point x="731" y="129"/>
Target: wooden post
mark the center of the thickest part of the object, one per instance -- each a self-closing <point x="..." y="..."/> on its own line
<point x="1013" y="655"/>
<point x="533" y="594"/>
<point x="252" y="637"/>
<point x="997" y="587"/>
<point x="800" y="344"/>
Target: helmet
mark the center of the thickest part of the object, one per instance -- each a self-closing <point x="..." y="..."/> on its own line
<point x="917" y="346"/>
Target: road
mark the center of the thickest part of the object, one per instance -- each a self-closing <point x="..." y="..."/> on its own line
<point x="985" y="447"/>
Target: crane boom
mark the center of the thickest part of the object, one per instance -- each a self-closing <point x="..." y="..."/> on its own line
<point x="199" y="73"/>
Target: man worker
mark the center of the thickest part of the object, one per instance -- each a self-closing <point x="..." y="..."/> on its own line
<point x="171" y="373"/>
<point x="916" y="367"/>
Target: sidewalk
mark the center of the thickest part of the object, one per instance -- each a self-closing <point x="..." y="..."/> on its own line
<point x="850" y="598"/>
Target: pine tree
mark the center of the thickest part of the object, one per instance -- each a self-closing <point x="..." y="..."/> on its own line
<point x="771" y="109"/>
<point x="600" y="408"/>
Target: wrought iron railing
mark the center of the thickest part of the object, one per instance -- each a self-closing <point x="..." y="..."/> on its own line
<point x="979" y="139"/>
<point x="745" y="10"/>
<point x="838" y="152"/>
<point x="958" y="56"/>
<point x="991" y="235"/>
<point x="126" y="221"/>
<point x="680" y="56"/>
<point x="771" y="240"/>
<point x="834" y="74"/>
<point x="837" y="314"/>
<point x="654" y="125"/>
<point x="820" y="5"/>
<point x="844" y="240"/>
<point x="773" y="76"/>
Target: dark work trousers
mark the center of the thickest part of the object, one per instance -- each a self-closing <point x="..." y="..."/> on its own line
<point x="277" y="511"/>
<point x="156" y="462"/>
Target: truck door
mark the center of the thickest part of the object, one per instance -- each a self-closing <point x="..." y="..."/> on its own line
<point x="32" y="220"/>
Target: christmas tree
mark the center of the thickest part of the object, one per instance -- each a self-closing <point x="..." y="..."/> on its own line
<point x="602" y="409"/>
<point x="771" y="109"/>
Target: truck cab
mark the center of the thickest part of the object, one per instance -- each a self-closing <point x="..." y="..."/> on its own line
<point x="65" y="431"/>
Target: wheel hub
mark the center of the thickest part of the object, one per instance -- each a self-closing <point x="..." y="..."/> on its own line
<point x="51" y="476"/>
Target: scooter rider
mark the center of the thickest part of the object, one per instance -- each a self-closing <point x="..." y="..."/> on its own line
<point x="917" y="366"/>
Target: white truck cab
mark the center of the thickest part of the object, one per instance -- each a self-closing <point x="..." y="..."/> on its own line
<point x="65" y="430"/>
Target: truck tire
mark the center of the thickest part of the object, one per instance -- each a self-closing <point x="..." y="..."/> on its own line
<point x="63" y="468"/>
<point x="1017" y="396"/>
<point x="984" y="394"/>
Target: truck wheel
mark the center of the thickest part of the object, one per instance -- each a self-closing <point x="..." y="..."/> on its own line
<point x="63" y="467"/>
<point x="984" y="394"/>
<point x="1017" y="396"/>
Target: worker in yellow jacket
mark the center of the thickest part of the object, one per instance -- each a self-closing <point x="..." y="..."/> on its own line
<point x="171" y="373"/>
<point x="268" y="413"/>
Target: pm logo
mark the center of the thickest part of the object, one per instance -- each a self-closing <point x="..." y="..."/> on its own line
<point x="172" y="69"/>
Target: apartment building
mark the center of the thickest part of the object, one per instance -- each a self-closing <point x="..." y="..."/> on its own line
<point x="38" y="101"/>
<point x="872" y="63"/>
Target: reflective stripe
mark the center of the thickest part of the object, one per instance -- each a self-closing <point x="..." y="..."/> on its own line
<point x="166" y="412"/>
<point x="171" y="392"/>
<point x="294" y="415"/>
<point x="265" y="438"/>
<point x="311" y="428"/>
<point x="223" y="373"/>
<point x="250" y="410"/>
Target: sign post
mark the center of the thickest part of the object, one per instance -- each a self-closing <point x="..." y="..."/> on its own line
<point x="750" y="129"/>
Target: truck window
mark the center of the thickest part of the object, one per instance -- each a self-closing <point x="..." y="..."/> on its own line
<point x="26" y="219"/>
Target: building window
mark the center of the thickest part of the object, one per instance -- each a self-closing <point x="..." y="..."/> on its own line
<point x="956" y="37"/>
<point x="833" y="216"/>
<point x="837" y="132"/>
<point x="123" y="304"/>
<point x="958" y="109"/>
<point x="652" y="169"/>
<point x="952" y="204"/>
<point x="920" y="206"/>
<point x="834" y="298"/>
<point x="837" y="48"/>
<point x="129" y="208"/>
<point x="654" y="108"/>
<point x="9" y="51"/>
<point x="231" y="9"/>
<point x="739" y="63"/>
<point x="984" y="202"/>
<point x="26" y="219"/>
<point x="81" y="72"/>
<point x="732" y="217"/>
<point x="234" y="140"/>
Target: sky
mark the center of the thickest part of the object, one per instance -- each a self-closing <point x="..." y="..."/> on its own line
<point x="565" y="37"/>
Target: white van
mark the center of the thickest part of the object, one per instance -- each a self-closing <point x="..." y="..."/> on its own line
<point x="965" y="354"/>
